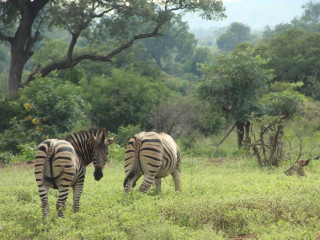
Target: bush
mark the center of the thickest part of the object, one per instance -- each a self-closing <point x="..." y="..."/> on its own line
<point x="5" y="158"/>
<point x="116" y="153"/>
<point x="125" y="133"/>
<point x="47" y="108"/>
<point x="28" y="151"/>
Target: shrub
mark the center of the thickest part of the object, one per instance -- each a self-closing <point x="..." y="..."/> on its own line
<point x="46" y="108"/>
<point x="125" y="133"/>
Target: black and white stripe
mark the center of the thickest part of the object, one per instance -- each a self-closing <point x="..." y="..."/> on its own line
<point x="153" y="155"/>
<point x="61" y="164"/>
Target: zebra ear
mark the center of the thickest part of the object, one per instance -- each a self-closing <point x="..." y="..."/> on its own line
<point x="100" y="137"/>
<point x="111" y="140"/>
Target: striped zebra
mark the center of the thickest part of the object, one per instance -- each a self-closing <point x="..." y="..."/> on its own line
<point x="61" y="164"/>
<point x="153" y="155"/>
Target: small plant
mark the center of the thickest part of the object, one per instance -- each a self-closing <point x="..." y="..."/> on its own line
<point x="126" y="132"/>
<point x="116" y="153"/>
<point x="6" y="158"/>
<point x="28" y="151"/>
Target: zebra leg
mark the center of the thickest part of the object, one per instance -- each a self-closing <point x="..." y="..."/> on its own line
<point x="61" y="203"/>
<point x="77" y="191"/>
<point x="176" y="179"/>
<point x="146" y="184"/>
<point x="132" y="183"/>
<point x="43" y="192"/>
<point x="158" y="185"/>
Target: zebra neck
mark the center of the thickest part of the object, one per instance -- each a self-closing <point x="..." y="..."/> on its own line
<point x="85" y="156"/>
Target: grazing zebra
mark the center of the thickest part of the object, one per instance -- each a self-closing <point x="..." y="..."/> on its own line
<point x="298" y="168"/>
<point x="153" y="155"/>
<point x="61" y="164"/>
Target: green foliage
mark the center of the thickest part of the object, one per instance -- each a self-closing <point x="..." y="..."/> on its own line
<point x="46" y="108"/>
<point x="6" y="157"/>
<point x="294" y="57"/>
<point x="235" y="34"/>
<point x="27" y="151"/>
<point x="116" y="153"/>
<point x="175" y="44"/>
<point x="124" y="133"/>
<point x="283" y="102"/>
<point x="124" y="98"/>
<point x="200" y="56"/>
<point x="310" y="18"/>
<point x="234" y="83"/>
<point x="6" y="113"/>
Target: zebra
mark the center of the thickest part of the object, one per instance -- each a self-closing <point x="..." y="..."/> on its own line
<point x="61" y="164"/>
<point x="154" y="155"/>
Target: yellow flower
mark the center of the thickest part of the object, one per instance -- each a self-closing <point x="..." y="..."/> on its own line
<point x="35" y="121"/>
<point x="28" y="118"/>
<point x="38" y="128"/>
<point x="28" y="106"/>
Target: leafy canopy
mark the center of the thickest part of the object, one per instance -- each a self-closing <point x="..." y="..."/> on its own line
<point x="234" y="83"/>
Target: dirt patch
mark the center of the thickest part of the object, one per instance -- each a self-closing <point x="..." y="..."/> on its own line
<point x="220" y="161"/>
<point x="29" y="164"/>
<point x="216" y="162"/>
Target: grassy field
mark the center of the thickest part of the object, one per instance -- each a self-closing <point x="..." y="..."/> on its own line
<point x="220" y="199"/>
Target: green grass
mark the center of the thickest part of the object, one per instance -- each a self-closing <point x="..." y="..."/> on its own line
<point x="234" y="199"/>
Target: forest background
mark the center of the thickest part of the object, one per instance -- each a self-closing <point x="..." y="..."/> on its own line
<point x="147" y="71"/>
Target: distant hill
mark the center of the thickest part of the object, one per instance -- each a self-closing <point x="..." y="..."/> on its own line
<point x="255" y="13"/>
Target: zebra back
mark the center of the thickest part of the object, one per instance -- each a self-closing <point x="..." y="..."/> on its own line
<point x="53" y="159"/>
<point x="171" y="156"/>
<point x="153" y="155"/>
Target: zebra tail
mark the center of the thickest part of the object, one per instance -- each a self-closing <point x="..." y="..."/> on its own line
<point x="48" y="166"/>
<point x="134" y="172"/>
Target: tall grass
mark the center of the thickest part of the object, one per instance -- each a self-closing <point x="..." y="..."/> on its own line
<point x="220" y="199"/>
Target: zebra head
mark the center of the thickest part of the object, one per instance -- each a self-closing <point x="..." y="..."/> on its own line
<point x="100" y="152"/>
<point x="298" y="168"/>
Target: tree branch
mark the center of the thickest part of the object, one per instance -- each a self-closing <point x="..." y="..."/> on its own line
<point x="224" y="138"/>
<point x="69" y="62"/>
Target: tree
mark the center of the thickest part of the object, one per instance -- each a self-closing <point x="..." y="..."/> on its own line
<point x="176" y="43"/>
<point x="124" y="98"/>
<point x="275" y="110"/>
<point x="178" y="118"/>
<point x="201" y="55"/>
<point x="236" y="33"/>
<point x="120" y="23"/>
<point x="294" y="56"/>
<point x="310" y="19"/>
<point x="232" y="84"/>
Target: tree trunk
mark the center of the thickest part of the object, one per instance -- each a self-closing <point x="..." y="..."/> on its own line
<point x="240" y="134"/>
<point x="243" y="134"/>
<point x="23" y="42"/>
<point x="16" y="68"/>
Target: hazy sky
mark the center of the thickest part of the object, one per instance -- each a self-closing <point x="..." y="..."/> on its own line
<point x="254" y="13"/>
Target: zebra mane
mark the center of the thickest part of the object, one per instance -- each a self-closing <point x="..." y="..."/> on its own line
<point x="92" y="131"/>
<point x="82" y="142"/>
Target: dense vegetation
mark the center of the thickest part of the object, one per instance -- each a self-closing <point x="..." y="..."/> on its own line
<point x="242" y="109"/>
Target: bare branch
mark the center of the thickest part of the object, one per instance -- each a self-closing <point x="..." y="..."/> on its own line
<point x="224" y="138"/>
<point x="69" y="62"/>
